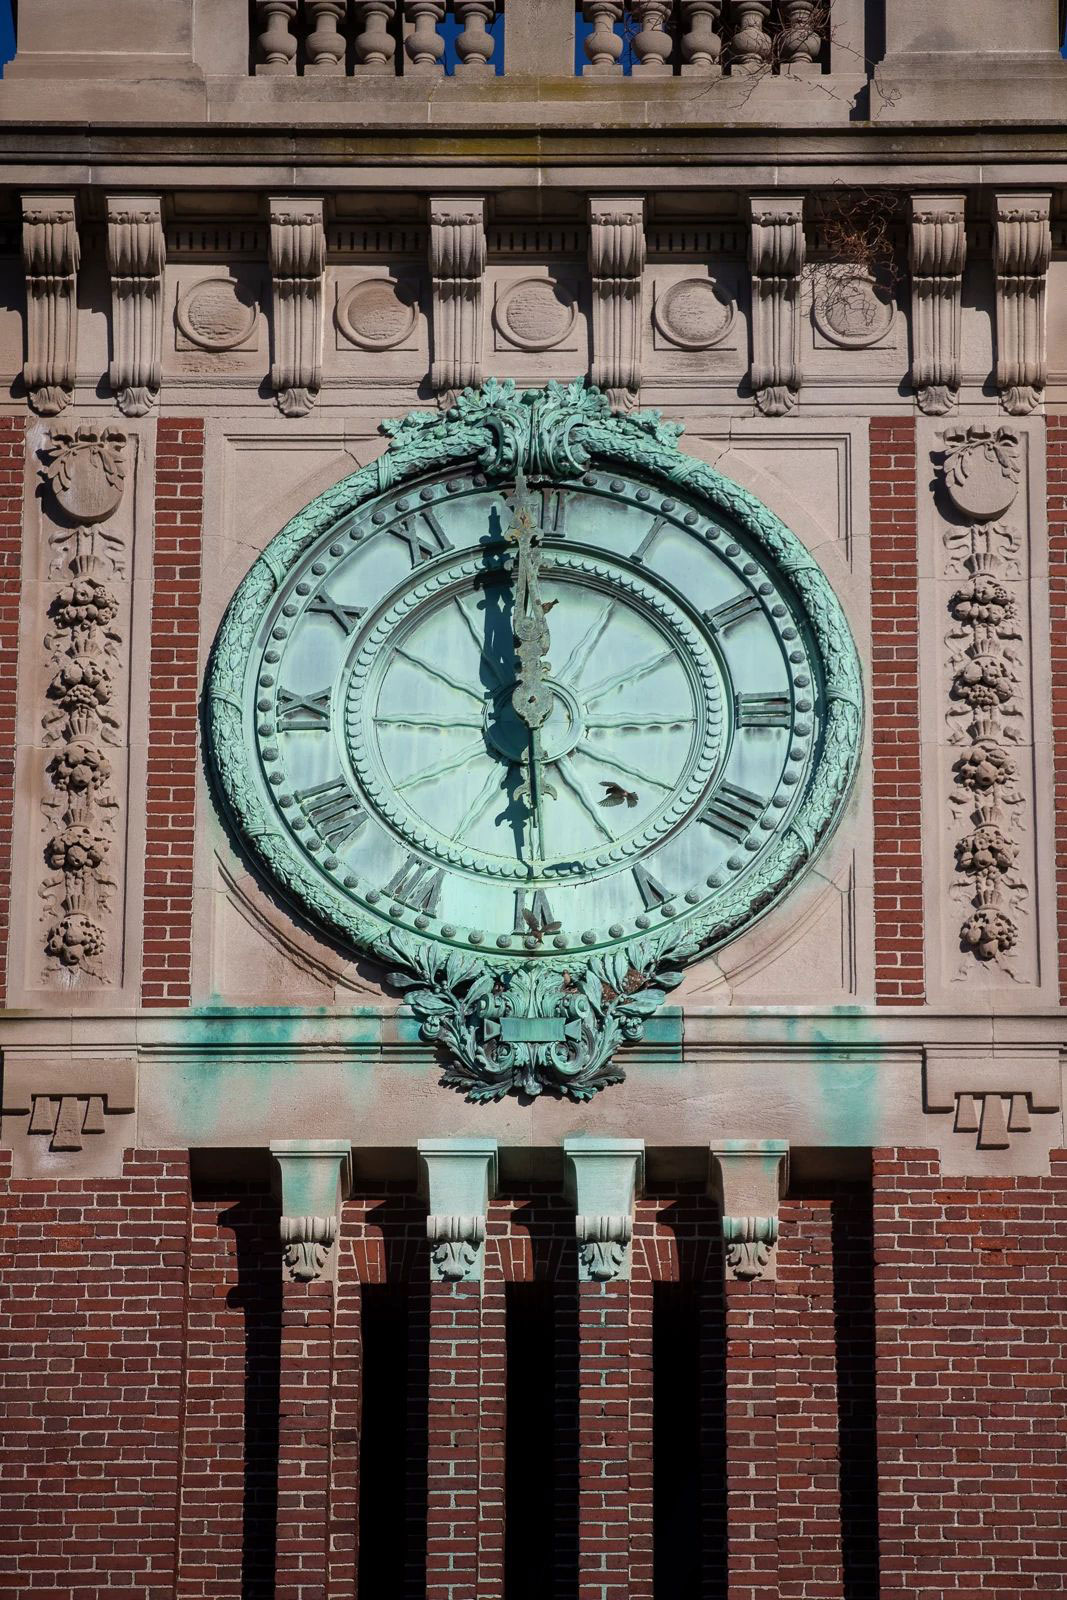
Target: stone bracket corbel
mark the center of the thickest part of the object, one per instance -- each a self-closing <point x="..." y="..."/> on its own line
<point x="1022" y="253"/>
<point x="457" y="273"/>
<point x="50" y="255"/>
<point x="992" y="1097"/>
<point x="776" y="256"/>
<point x="136" y="252"/>
<point x="603" y="1178"/>
<point x="298" y="270"/>
<point x="73" y="1109"/>
<point x="749" y="1178"/>
<point x="617" y="267"/>
<point x="457" y="1178"/>
<point x="313" y="1176"/>
<point x="938" y="254"/>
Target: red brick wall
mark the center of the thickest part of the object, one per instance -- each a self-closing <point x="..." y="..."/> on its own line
<point x="972" y="1380"/>
<point x="128" y="1470"/>
<point x="12" y="451"/>
<point x="172" y="713"/>
<point x="1057" y="583"/>
<point x="898" y="897"/>
<point x="92" y="1329"/>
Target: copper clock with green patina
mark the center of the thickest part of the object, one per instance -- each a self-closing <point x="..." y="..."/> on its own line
<point x="536" y="709"/>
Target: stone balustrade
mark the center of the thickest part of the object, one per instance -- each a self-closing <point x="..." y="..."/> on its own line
<point x="605" y="38"/>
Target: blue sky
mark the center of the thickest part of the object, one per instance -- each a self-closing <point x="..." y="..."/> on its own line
<point x="7" y="33"/>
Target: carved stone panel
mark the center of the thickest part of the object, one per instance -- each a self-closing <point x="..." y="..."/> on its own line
<point x="988" y="757"/>
<point x="75" y="740"/>
<point x="378" y="313"/>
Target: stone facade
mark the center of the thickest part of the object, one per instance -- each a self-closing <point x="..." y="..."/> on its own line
<point x="284" y="1315"/>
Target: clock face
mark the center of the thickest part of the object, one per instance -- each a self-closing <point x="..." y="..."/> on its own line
<point x="386" y="762"/>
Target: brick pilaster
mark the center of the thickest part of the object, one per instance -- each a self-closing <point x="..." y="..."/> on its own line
<point x="172" y="713"/>
<point x="1057" y="583"/>
<point x="751" y="1443"/>
<point x="453" y="1442"/>
<point x="898" y="885"/>
<point x="302" y="1569"/>
<point x="615" y="1443"/>
<point x="12" y="450"/>
<point x="806" y="1396"/>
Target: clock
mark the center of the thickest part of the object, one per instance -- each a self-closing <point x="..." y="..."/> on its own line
<point x="536" y="692"/>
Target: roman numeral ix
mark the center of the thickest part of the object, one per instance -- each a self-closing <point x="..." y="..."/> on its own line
<point x="303" y="710"/>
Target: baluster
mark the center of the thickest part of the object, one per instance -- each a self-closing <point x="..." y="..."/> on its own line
<point x="701" y="45"/>
<point x="424" y="45"/>
<point x="375" y="43"/>
<point x="603" y="46"/>
<point x="750" y="47"/>
<point x="474" y="45"/>
<point x="326" y="42"/>
<point x="801" y="42"/>
<point x="275" y="42"/>
<point x="653" y="44"/>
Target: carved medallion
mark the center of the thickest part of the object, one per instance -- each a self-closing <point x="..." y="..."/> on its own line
<point x="379" y="313"/>
<point x="535" y="314"/>
<point x="851" y="309"/>
<point x="695" y="314"/>
<point x="86" y="472"/>
<point x="217" y="314"/>
<point x="982" y="470"/>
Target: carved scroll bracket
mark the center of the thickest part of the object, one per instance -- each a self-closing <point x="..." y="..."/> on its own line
<point x="617" y="265"/>
<point x="776" y="259"/>
<point x="136" y="251"/>
<point x="458" y="1179"/>
<point x="1022" y="251"/>
<point x="50" y="255"/>
<point x="749" y="1177"/>
<point x="938" y="254"/>
<point x="602" y="1178"/>
<point x="314" y="1176"/>
<point x="457" y="272"/>
<point x="298" y="268"/>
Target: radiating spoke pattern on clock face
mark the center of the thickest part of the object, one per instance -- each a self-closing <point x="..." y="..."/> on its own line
<point x="625" y="720"/>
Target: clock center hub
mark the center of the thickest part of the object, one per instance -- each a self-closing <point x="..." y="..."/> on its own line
<point x="510" y="737"/>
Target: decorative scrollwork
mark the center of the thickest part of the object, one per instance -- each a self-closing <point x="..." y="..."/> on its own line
<point x="534" y="1028"/>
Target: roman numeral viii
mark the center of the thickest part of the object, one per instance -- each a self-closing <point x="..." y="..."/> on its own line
<point x="417" y="884"/>
<point x="334" y="810"/>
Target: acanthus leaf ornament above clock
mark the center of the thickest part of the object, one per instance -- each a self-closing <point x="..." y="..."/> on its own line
<point x="535" y="710"/>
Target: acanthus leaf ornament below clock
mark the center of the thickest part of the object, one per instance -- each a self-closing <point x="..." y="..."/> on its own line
<point x="535" y="709"/>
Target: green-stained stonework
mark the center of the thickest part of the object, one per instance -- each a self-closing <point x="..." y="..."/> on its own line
<point x="534" y="710"/>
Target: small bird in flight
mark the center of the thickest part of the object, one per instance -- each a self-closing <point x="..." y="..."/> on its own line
<point x="617" y="794"/>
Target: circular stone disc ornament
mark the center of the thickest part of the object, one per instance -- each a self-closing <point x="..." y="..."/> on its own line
<point x="701" y="729"/>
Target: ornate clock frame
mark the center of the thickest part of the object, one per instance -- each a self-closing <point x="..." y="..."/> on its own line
<point x="533" y="1019"/>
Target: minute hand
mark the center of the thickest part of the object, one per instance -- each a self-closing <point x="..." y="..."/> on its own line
<point x="532" y="695"/>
